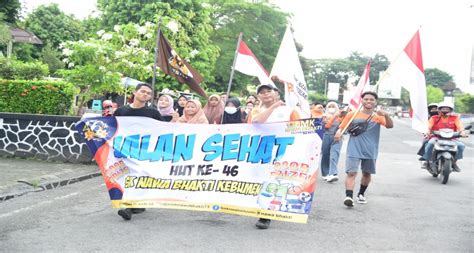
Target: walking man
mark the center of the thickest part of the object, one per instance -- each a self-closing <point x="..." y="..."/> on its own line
<point x="363" y="146"/>
<point x="142" y="94"/>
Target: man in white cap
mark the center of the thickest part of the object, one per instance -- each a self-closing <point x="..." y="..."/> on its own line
<point x="271" y="109"/>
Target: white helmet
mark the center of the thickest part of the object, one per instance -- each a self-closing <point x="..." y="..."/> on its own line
<point x="446" y="104"/>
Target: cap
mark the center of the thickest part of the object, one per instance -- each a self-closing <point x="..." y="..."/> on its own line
<point x="270" y="86"/>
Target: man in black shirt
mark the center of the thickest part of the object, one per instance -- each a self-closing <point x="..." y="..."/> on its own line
<point x="143" y="93"/>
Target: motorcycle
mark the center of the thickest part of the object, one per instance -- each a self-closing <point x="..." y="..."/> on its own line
<point x="444" y="152"/>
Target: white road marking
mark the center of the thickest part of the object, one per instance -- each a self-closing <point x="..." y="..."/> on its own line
<point x="46" y="202"/>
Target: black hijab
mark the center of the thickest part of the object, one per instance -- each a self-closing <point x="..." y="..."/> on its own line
<point x="180" y="109"/>
<point x="235" y="117"/>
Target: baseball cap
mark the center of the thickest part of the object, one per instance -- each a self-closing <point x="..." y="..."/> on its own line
<point x="268" y="85"/>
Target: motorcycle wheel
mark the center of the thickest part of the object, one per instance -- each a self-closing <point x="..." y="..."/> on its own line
<point x="446" y="171"/>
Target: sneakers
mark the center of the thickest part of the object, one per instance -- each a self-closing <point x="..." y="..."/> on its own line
<point x="263" y="223"/>
<point x="332" y="178"/>
<point x="424" y="165"/>
<point x="349" y="202"/>
<point x="325" y="178"/>
<point x="361" y="199"/>
<point x="137" y="210"/>
<point x="456" y="168"/>
<point x="125" y="213"/>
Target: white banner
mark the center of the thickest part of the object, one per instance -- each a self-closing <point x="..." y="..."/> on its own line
<point x="389" y="88"/>
<point x="333" y="91"/>
<point x="260" y="170"/>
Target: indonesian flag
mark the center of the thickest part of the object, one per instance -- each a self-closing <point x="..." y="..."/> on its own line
<point x="287" y="69"/>
<point x="362" y="86"/>
<point x="248" y="64"/>
<point x="408" y="71"/>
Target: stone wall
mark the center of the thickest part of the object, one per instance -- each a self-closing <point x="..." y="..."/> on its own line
<point x="46" y="137"/>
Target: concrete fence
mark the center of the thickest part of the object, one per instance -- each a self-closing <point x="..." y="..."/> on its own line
<point x="45" y="137"/>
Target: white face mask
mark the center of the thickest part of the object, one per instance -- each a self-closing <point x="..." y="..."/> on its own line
<point x="230" y="110"/>
<point x="331" y="110"/>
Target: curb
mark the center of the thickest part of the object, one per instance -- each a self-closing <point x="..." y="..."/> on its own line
<point x="51" y="182"/>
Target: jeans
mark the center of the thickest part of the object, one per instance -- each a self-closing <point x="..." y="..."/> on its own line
<point x="330" y="155"/>
<point x="430" y="145"/>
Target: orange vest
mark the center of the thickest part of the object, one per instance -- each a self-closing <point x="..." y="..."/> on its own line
<point x="443" y="123"/>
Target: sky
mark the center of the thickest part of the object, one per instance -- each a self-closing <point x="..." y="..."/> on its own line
<point x="335" y="28"/>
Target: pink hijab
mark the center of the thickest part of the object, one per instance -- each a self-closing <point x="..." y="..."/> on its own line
<point x="198" y="118"/>
<point x="214" y="113"/>
<point x="168" y="110"/>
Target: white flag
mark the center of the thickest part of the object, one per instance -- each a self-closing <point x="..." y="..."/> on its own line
<point x="408" y="71"/>
<point x="248" y="64"/>
<point x="362" y="86"/>
<point x="287" y="68"/>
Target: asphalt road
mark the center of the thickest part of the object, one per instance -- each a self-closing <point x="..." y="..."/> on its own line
<point x="408" y="210"/>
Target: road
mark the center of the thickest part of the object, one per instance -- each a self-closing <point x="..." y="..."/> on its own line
<point x="408" y="210"/>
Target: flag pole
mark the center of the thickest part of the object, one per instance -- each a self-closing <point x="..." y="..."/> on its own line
<point x="158" y="32"/>
<point x="232" y="70"/>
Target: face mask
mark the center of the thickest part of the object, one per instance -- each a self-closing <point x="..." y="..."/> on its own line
<point x="230" y="110"/>
<point x="433" y="113"/>
<point x="331" y="110"/>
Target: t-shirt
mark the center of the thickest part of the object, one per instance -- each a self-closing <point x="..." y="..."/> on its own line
<point x="365" y="145"/>
<point x="332" y="125"/>
<point x="280" y="114"/>
<point x="144" y="112"/>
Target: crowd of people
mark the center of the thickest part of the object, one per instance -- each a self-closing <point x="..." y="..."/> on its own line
<point x="266" y="106"/>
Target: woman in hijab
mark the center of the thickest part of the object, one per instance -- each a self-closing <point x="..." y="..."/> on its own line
<point x="193" y="114"/>
<point x="165" y="107"/>
<point x="181" y="104"/>
<point x="331" y="149"/>
<point x="214" y="109"/>
<point x="232" y="112"/>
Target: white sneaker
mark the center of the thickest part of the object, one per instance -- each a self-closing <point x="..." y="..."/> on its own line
<point x="325" y="178"/>
<point x="361" y="199"/>
<point x="349" y="202"/>
<point x="332" y="178"/>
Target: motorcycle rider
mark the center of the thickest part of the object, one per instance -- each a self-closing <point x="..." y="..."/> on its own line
<point x="444" y="120"/>
<point x="432" y="111"/>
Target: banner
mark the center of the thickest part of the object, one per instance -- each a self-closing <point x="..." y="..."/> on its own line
<point x="333" y="91"/>
<point x="389" y="88"/>
<point x="259" y="170"/>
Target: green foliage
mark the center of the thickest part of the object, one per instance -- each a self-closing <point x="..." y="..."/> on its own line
<point x="263" y="27"/>
<point x="53" y="26"/>
<point x="439" y="78"/>
<point x="51" y="57"/>
<point x="10" y="11"/>
<point x="185" y="23"/>
<point x="14" y="69"/>
<point x="317" y="97"/>
<point x="434" y="94"/>
<point x="42" y="97"/>
<point x="5" y="35"/>
<point x="464" y="103"/>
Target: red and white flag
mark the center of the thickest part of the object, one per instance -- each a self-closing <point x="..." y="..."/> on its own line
<point x="362" y="86"/>
<point x="408" y="71"/>
<point x="287" y="69"/>
<point x="248" y="64"/>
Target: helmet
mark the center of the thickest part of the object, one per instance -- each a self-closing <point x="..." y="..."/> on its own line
<point x="446" y="104"/>
<point x="432" y="105"/>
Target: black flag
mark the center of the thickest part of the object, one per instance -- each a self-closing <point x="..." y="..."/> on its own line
<point x="170" y="63"/>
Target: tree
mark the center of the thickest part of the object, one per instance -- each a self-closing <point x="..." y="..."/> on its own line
<point x="53" y="26"/>
<point x="263" y="27"/>
<point x="440" y="79"/>
<point x="464" y="103"/>
<point x="186" y="24"/>
<point x="434" y="94"/>
<point x="10" y="11"/>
